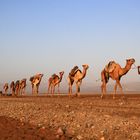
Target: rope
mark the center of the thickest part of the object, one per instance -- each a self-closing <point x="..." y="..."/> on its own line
<point x="135" y="67"/>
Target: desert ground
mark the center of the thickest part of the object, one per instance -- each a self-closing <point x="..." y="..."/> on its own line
<point x="62" y="118"/>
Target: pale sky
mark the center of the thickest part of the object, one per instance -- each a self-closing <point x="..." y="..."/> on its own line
<point x="47" y="36"/>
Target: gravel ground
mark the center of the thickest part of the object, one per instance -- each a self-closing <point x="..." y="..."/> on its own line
<point x="64" y="118"/>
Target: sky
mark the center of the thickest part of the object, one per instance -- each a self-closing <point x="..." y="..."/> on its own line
<point x="48" y="36"/>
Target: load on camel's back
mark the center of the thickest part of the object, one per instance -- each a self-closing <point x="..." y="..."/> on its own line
<point x="109" y="68"/>
<point x="73" y="71"/>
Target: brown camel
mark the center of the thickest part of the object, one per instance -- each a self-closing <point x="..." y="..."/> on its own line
<point x="53" y="81"/>
<point x="5" y="88"/>
<point x="138" y="69"/>
<point x="76" y="75"/>
<point x="17" y="87"/>
<point x="35" y="82"/>
<point x="114" y="71"/>
<point x="12" y="88"/>
<point x="22" y="86"/>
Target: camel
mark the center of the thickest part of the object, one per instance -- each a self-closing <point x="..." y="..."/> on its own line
<point x="35" y="82"/>
<point x="17" y="87"/>
<point x="5" y="87"/>
<point x="22" y="86"/>
<point x="114" y="71"/>
<point x="53" y="81"/>
<point x="12" y="88"/>
<point x="76" y="75"/>
<point x="138" y="69"/>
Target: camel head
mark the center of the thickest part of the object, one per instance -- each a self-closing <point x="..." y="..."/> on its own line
<point x="61" y="73"/>
<point x="12" y="84"/>
<point x="85" y="66"/>
<point x="40" y="75"/>
<point x="130" y="61"/>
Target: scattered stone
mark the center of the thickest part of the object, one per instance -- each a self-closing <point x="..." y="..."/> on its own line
<point x="79" y="137"/>
<point x="102" y="138"/>
<point x="67" y="106"/>
<point x="60" y="131"/>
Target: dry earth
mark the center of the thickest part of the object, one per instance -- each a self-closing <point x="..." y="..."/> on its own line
<point x="61" y="118"/>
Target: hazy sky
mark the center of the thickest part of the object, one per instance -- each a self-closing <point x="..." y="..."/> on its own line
<point x="47" y="36"/>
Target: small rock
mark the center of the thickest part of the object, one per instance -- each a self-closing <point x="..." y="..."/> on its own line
<point x="60" y="131"/>
<point x="102" y="138"/>
<point x="79" y="137"/>
<point x="67" y="106"/>
<point x="78" y="125"/>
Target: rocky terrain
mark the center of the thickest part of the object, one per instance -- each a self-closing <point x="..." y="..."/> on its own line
<point x="64" y="118"/>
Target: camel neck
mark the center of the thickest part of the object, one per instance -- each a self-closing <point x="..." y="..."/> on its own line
<point x="84" y="73"/>
<point x="61" y="77"/>
<point x="126" y="68"/>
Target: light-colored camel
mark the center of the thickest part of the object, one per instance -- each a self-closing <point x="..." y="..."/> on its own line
<point x="35" y="82"/>
<point x="12" y="88"/>
<point x="53" y="81"/>
<point x="17" y="87"/>
<point x="115" y="71"/>
<point x="22" y="86"/>
<point x="5" y="88"/>
<point x="76" y="75"/>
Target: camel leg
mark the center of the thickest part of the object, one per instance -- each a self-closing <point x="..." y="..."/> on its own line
<point x="70" y="82"/>
<point x="78" y="88"/>
<point x="16" y="92"/>
<point x="121" y="89"/>
<point x="70" y="90"/>
<point x="13" y="92"/>
<point x="32" y="89"/>
<point x="115" y="89"/>
<point x="58" y="89"/>
<point x="24" y="90"/>
<point x="49" y="88"/>
<point x="6" y="92"/>
<point x="37" y="91"/>
<point x="53" y="90"/>
<point x="20" y="92"/>
<point x="103" y="89"/>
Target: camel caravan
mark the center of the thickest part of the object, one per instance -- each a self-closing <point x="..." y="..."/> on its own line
<point x="112" y="70"/>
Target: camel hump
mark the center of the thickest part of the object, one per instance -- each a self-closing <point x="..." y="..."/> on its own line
<point x="54" y="76"/>
<point x="73" y="71"/>
<point x="110" y="66"/>
<point x="31" y="78"/>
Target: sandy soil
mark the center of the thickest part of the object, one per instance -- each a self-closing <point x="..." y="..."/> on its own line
<point x="84" y="118"/>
